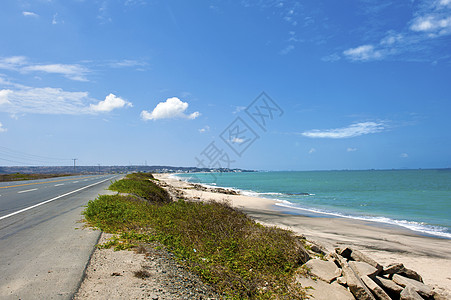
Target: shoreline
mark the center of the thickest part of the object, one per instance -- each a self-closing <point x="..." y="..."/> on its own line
<point x="386" y="243"/>
<point x="415" y="227"/>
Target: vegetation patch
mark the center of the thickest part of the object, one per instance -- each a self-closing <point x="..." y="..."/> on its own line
<point x="20" y="176"/>
<point x="239" y="257"/>
<point x="141" y="185"/>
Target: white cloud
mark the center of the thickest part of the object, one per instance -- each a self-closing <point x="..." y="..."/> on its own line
<point x="287" y="50"/>
<point x="4" y="96"/>
<point x="404" y="155"/>
<point x="413" y="41"/>
<point x="30" y="14"/>
<point x="74" y="72"/>
<point x="127" y="63"/>
<point x="331" y="58"/>
<point x="351" y="149"/>
<point x="44" y="101"/>
<point x="2" y="129"/>
<point x="346" y="132"/>
<point x="171" y="108"/>
<point x="391" y="39"/>
<point x="111" y="102"/>
<point x="55" y="20"/>
<point x="312" y="150"/>
<point x="437" y="24"/>
<point x="238" y="109"/>
<point x="205" y="129"/>
<point x="237" y="140"/>
<point x="21" y="64"/>
<point x="54" y="101"/>
<point x="12" y="63"/>
<point x="363" y="53"/>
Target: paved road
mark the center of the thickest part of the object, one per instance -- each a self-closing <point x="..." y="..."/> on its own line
<point x="43" y="250"/>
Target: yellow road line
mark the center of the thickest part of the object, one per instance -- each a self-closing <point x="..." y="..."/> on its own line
<point x="25" y="184"/>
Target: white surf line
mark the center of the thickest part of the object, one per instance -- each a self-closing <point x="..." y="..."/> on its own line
<point x="26" y="191"/>
<point x="50" y="200"/>
<point x="59" y="184"/>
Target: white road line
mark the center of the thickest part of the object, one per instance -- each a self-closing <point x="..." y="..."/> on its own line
<point x="50" y="200"/>
<point x="26" y="191"/>
<point x="75" y="182"/>
<point x="59" y="184"/>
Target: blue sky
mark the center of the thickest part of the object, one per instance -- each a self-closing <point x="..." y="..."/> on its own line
<point x="349" y="85"/>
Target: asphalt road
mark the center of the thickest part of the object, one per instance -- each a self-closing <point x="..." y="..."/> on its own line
<point x="43" y="248"/>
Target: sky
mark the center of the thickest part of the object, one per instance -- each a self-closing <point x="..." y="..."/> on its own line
<point x="266" y="85"/>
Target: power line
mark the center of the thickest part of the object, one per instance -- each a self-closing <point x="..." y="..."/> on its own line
<point x="32" y="156"/>
<point x="22" y="158"/>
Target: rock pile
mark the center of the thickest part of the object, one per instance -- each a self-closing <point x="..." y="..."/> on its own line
<point x="349" y="274"/>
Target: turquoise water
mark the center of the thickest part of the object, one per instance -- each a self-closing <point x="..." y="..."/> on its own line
<point x="416" y="199"/>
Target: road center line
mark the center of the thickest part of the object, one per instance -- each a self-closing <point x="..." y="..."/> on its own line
<point x="41" y="182"/>
<point x="26" y="191"/>
<point x="50" y="200"/>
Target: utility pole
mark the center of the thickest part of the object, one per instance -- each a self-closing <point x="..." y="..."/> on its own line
<point x="99" y="168"/>
<point x="74" y="159"/>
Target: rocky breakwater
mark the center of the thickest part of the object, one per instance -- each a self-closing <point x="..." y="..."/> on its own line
<point x="349" y="274"/>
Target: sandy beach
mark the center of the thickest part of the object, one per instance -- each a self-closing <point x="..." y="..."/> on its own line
<point x="429" y="256"/>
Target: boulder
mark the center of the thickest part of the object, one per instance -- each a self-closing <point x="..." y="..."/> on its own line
<point x="345" y="252"/>
<point x="375" y="289"/>
<point x="317" y="249"/>
<point x="393" y="269"/>
<point x="320" y="290"/>
<point x="363" y="269"/>
<point x="355" y="284"/>
<point x="302" y="253"/>
<point x="411" y="274"/>
<point x="388" y="285"/>
<point x="403" y="271"/>
<point x="324" y="270"/>
<point x="422" y="289"/>
<point x="341" y="280"/>
<point x="359" y="256"/>
<point x="409" y="293"/>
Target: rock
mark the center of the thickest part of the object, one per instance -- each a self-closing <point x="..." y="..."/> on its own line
<point x="388" y="285"/>
<point x="320" y="290"/>
<point x="363" y="269"/>
<point x="317" y="249"/>
<point x="393" y="269"/>
<point x="341" y="280"/>
<point x="375" y="289"/>
<point x="411" y="274"/>
<point x="359" y="256"/>
<point x="345" y="252"/>
<point x="422" y="289"/>
<point x="303" y="254"/>
<point x="324" y="270"/>
<point x="355" y="284"/>
<point x="409" y="293"/>
<point x="402" y="270"/>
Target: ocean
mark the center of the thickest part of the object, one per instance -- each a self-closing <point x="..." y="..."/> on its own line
<point x="419" y="200"/>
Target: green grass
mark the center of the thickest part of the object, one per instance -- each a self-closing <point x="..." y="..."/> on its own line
<point x="239" y="257"/>
<point x="141" y="185"/>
